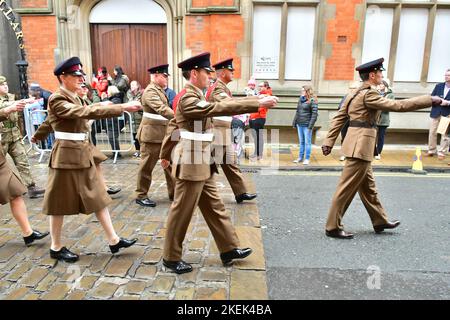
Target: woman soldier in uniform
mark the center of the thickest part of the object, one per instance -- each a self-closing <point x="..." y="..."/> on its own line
<point x="74" y="185"/>
<point x="11" y="189"/>
<point x="45" y="129"/>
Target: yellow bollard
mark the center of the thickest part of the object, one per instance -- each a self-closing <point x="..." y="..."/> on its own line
<point x="417" y="166"/>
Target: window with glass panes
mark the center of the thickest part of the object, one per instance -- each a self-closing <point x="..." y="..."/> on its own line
<point x="413" y="37"/>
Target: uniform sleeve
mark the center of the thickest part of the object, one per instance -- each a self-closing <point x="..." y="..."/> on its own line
<point x="66" y="110"/>
<point x="170" y="140"/>
<point x="192" y="107"/>
<point x="152" y="99"/>
<point x="43" y="131"/>
<point x="336" y="124"/>
<point x="374" y="100"/>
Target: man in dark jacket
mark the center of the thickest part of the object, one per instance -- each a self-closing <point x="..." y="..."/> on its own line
<point x="437" y="111"/>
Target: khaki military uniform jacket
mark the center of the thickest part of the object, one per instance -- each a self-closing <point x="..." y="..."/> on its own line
<point x="222" y="125"/>
<point x="10" y="128"/>
<point x="156" y="105"/>
<point x="192" y="158"/>
<point x="73" y="184"/>
<point x="10" y="186"/>
<point x="45" y="129"/>
<point x="365" y="105"/>
<point x="68" y="114"/>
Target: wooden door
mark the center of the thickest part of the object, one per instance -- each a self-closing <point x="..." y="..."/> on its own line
<point x="134" y="47"/>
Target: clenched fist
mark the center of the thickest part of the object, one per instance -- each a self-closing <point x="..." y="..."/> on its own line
<point x="326" y="150"/>
<point x="132" y="106"/>
<point x="268" y="101"/>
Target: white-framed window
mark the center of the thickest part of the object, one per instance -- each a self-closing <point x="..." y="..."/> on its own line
<point x="300" y="43"/>
<point x="378" y="35"/>
<point x="294" y="30"/>
<point x="411" y="44"/>
<point x="440" y="49"/>
<point x="418" y="56"/>
<point x="266" y="41"/>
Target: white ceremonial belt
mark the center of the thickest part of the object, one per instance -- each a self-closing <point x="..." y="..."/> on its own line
<point x="70" y="136"/>
<point x="154" y="116"/>
<point x="196" y="136"/>
<point x="224" y="118"/>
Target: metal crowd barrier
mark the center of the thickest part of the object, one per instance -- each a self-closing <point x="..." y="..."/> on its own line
<point x="112" y="135"/>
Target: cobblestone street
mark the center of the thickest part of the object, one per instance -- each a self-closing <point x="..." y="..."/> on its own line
<point x="135" y="273"/>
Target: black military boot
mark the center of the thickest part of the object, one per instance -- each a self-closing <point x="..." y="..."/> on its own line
<point x="34" y="192"/>
<point x="237" y="253"/>
<point x="64" y="254"/>
<point x="112" y="190"/>
<point x="389" y="225"/>
<point x="123" y="243"/>
<point x="245" y="196"/>
<point x="178" y="267"/>
<point x="146" y="202"/>
<point x="35" y="235"/>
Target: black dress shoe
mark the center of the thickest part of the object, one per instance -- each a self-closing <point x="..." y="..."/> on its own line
<point x="177" y="266"/>
<point x="146" y="202"/>
<point x="64" y="254"/>
<point x="340" y="234"/>
<point x="237" y="253"/>
<point x="35" y="235"/>
<point x="390" y="225"/>
<point x="112" y="190"/>
<point x="123" y="243"/>
<point x="245" y="196"/>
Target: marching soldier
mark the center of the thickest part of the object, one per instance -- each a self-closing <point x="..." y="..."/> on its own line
<point x="73" y="184"/>
<point x="193" y="169"/>
<point x="362" y="108"/>
<point x="12" y="189"/>
<point x="223" y="149"/>
<point x="12" y="142"/>
<point x="45" y="129"/>
<point x="151" y="132"/>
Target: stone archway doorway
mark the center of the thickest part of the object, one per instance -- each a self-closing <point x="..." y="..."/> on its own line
<point x="133" y="37"/>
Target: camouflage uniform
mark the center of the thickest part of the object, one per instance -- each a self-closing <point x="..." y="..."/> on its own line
<point x="12" y="142"/>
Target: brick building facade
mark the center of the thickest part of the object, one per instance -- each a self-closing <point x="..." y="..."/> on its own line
<point x="289" y="43"/>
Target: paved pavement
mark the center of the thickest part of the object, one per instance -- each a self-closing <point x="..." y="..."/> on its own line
<point x="135" y="273"/>
<point x="395" y="157"/>
<point x="411" y="262"/>
<point x="302" y="263"/>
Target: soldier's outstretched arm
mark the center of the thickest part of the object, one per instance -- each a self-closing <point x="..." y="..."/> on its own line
<point x="8" y="108"/>
<point x="374" y="100"/>
<point x="194" y="108"/>
<point x="66" y="110"/>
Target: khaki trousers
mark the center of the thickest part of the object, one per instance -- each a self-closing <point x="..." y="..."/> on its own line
<point x="226" y="157"/>
<point x="357" y="176"/>
<point x="149" y="158"/>
<point x="189" y="194"/>
<point x="432" y="138"/>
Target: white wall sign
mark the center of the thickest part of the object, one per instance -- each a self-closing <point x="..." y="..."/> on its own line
<point x="266" y="41"/>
